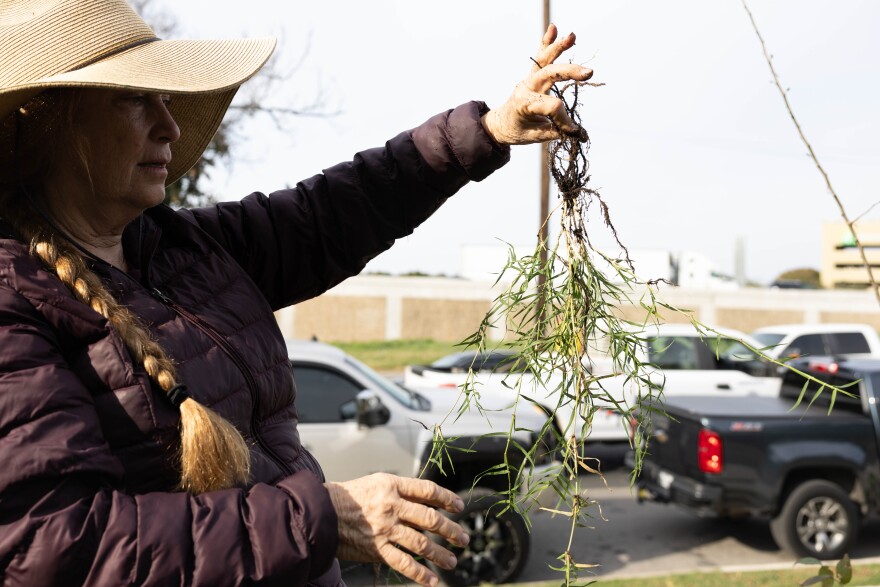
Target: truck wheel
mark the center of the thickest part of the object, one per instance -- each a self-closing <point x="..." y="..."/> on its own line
<point x="499" y="543"/>
<point x="818" y="519"/>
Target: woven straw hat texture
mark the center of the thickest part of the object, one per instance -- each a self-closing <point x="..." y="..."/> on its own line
<point x="104" y="43"/>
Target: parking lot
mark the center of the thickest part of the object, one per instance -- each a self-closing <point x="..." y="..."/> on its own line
<point x="641" y="539"/>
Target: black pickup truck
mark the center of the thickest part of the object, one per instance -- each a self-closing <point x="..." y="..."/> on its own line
<point x="814" y="475"/>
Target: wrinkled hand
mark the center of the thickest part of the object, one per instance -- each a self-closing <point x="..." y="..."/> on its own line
<point x="382" y="514"/>
<point x="530" y="115"/>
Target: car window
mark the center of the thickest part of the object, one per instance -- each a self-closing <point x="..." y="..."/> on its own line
<point x="673" y="352"/>
<point x="733" y="351"/>
<point x="809" y="345"/>
<point x="401" y="394"/>
<point x="768" y="339"/>
<point x="849" y="342"/>
<point x="500" y="361"/>
<point x="728" y="353"/>
<point x="321" y="394"/>
<point x="454" y="360"/>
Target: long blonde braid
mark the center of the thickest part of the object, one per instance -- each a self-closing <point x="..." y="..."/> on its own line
<point x="213" y="455"/>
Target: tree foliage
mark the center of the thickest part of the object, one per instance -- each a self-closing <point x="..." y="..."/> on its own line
<point x="805" y="275"/>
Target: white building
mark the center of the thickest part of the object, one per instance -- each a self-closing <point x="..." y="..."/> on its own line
<point x="687" y="269"/>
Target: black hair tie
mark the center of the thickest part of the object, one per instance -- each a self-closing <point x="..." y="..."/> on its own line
<point x="177" y="394"/>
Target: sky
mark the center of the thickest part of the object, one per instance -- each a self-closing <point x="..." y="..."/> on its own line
<point x="692" y="147"/>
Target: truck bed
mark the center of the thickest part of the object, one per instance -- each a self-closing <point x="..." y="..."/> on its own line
<point x="699" y="407"/>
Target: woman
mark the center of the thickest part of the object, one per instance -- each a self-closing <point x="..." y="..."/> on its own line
<point x="122" y="320"/>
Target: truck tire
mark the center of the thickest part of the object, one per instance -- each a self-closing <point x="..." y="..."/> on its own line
<point x="499" y="543"/>
<point x="818" y="519"/>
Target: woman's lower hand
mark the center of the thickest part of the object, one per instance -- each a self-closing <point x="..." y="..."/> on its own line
<point x="381" y="517"/>
<point x="530" y="115"/>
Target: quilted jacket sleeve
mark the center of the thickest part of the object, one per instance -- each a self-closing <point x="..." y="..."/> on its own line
<point x="298" y="243"/>
<point x="64" y="520"/>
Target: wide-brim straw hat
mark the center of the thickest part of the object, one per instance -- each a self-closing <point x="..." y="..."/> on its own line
<point x="104" y="44"/>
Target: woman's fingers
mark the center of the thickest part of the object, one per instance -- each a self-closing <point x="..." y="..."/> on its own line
<point x="556" y="117"/>
<point x="379" y="513"/>
<point x="428" y="492"/>
<point x="542" y="80"/>
<point x="530" y="115"/>
<point x="419" y="544"/>
<point x="549" y="36"/>
<point x="551" y="48"/>
<point x="425" y="518"/>
<point x="407" y="566"/>
<point x="546" y="41"/>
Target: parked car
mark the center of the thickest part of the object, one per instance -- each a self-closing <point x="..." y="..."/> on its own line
<point x="357" y="422"/>
<point x="795" y="340"/>
<point x="811" y="473"/>
<point x="449" y="370"/>
<point x="498" y="372"/>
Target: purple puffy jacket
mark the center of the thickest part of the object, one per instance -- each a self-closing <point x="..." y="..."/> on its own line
<point x="86" y="440"/>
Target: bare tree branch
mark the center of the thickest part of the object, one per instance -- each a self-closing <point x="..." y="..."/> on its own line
<point x="259" y="97"/>
<point x="784" y="94"/>
<point x="865" y="213"/>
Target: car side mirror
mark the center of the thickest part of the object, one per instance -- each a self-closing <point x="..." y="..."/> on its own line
<point x="371" y="411"/>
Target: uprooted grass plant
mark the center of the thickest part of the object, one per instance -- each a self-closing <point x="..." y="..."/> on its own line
<point x="568" y="313"/>
<point x="561" y="309"/>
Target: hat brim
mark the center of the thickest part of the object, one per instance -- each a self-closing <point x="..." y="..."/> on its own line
<point x="203" y="75"/>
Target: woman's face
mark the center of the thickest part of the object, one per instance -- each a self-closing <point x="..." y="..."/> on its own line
<point x="125" y="146"/>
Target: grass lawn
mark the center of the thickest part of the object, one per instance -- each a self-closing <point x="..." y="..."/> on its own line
<point x="862" y="575"/>
<point x="394" y="355"/>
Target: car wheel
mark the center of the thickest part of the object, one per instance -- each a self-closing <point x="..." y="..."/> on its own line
<point x="499" y="542"/>
<point x="817" y="520"/>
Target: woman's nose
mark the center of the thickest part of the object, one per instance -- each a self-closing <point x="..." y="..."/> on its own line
<point x="166" y="129"/>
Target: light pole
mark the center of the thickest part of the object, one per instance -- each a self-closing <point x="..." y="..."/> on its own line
<point x="545" y="192"/>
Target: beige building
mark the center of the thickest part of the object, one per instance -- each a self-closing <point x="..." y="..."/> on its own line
<point x="842" y="264"/>
<point x="368" y="308"/>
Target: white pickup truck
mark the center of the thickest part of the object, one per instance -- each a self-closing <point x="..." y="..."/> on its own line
<point x="796" y="340"/>
<point x="685" y="363"/>
<point x="357" y="422"/>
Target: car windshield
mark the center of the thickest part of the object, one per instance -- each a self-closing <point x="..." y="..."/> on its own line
<point x="496" y="360"/>
<point x="402" y="395"/>
<point x="768" y="339"/>
<point x="454" y="360"/>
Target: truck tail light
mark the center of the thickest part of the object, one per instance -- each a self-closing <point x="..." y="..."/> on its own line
<point x="824" y="367"/>
<point x="709" y="453"/>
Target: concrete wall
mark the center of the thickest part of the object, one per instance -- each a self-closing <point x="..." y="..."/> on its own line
<point x="389" y="308"/>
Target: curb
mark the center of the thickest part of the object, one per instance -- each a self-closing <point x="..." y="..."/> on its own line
<point x="722" y="569"/>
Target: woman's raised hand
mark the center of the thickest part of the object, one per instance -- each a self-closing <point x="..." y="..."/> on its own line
<point x="530" y="115"/>
<point x="381" y="517"/>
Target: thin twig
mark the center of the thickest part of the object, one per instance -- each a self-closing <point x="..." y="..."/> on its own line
<point x="865" y="213"/>
<point x="849" y="223"/>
